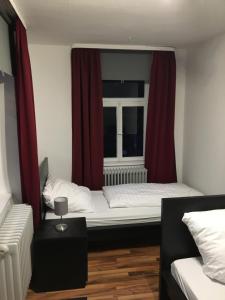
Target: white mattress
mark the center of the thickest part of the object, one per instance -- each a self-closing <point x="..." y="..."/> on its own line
<point x="193" y="282"/>
<point x="105" y="216"/>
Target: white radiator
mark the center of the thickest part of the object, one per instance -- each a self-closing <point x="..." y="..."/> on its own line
<point x="15" y="258"/>
<point x="127" y="174"/>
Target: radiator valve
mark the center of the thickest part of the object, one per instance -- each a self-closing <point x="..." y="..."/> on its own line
<point x="4" y="249"/>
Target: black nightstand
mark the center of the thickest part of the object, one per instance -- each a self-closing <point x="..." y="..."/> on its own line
<point x="60" y="258"/>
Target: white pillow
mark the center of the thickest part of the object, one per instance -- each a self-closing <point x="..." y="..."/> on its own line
<point x="79" y="197"/>
<point x="208" y="231"/>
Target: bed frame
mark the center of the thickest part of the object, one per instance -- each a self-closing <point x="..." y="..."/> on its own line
<point x="110" y="236"/>
<point x="176" y="240"/>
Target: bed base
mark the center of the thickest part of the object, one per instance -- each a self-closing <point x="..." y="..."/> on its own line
<point x="176" y="240"/>
<point x="124" y="235"/>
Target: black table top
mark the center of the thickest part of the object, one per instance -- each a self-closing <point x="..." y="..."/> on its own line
<point x="76" y="229"/>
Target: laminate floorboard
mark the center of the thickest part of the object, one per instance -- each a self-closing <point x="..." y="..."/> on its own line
<point x="121" y="274"/>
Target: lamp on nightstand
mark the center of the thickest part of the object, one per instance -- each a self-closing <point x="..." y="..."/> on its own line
<point x="61" y="209"/>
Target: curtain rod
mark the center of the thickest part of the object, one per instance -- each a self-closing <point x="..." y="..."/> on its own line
<point x="123" y="47"/>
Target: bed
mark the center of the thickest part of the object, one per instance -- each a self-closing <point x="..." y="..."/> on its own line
<point x="114" y="226"/>
<point x="181" y="275"/>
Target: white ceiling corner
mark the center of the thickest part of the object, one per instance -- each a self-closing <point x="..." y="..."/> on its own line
<point x="17" y="10"/>
<point x="161" y="23"/>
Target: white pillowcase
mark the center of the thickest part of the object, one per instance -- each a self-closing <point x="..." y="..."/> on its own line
<point x="208" y="231"/>
<point x="79" y="197"/>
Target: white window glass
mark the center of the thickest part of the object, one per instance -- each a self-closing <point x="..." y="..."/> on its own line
<point x="133" y="125"/>
<point x="110" y="132"/>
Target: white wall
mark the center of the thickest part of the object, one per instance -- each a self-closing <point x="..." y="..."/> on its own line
<point x="179" y="110"/>
<point x="4" y="180"/>
<point x="204" y="135"/>
<point x="5" y="62"/>
<point x="52" y="93"/>
<point x="9" y="152"/>
<point x="11" y="138"/>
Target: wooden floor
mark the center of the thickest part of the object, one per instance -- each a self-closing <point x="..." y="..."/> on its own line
<point x="123" y="274"/>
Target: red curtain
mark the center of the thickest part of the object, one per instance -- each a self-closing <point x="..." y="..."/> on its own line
<point x="159" y="148"/>
<point x="29" y="170"/>
<point x="87" y="118"/>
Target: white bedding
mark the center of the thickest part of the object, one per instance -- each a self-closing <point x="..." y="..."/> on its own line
<point x="145" y="194"/>
<point x="103" y="215"/>
<point x="193" y="282"/>
<point x="79" y="197"/>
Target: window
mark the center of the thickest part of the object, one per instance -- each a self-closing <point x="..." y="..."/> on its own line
<point x="123" y="89"/>
<point x="110" y="132"/>
<point x="124" y="128"/>
<point x="133" y="125"/>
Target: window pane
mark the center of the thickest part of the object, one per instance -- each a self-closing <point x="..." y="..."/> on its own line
<point x="110" y="132"/>
<point x="123" y="89"/>
<point x="133" y="118"/>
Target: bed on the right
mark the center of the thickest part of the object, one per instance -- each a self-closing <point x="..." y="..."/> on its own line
<point x="181" y="266"/>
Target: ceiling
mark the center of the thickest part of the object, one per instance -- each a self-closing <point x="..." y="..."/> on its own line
<point x="173" y="23"/>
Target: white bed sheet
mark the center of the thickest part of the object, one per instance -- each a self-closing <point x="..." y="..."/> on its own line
<point x="145" y="194"/>
<point x="193" y="282"/>
<point x="105" y="216"/>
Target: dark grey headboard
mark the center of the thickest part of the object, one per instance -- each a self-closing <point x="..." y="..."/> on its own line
<point x="43" y="173"/>
<point x="176" y="240"/>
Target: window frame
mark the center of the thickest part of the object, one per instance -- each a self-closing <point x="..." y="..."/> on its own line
<point x="119" y="103"/>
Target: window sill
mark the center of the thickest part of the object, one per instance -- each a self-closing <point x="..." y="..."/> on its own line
<point x="116" y="163"/>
